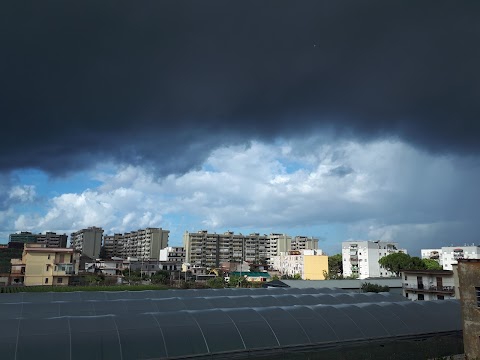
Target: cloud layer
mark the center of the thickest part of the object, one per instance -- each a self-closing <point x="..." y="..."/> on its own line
<point x="380" y="190"/>
<point x="165" y="83"/>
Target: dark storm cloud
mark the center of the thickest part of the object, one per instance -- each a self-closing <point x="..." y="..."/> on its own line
<point x="167" y="81"/>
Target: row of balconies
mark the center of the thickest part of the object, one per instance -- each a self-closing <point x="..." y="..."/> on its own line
<point x="429" y="288"/>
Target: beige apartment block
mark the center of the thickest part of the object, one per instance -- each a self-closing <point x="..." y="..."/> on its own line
<point x="210" y="249"/>
<point x="113" y="246"/>
<point x="145" y="243"/>
<point x="88" y="241"/>
<point x="40" y="265"/>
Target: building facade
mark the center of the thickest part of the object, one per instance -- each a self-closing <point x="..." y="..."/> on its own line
<point x="88" y="241"/>
<point x="211" y="249"/>
<point x="309" y="264"/>
<point x="428" y="284"/>
<point x="40" y="265"/>
<point x="469" y="289"/>
<point x="360" y="258"/>
<point x="23" y="237"/>
<point x="173" y="254"/>
<point x="448" y="256"/>
<point x="52" y="240"/>
<point x="113" y="246"/>
<point x="145" y="243"/>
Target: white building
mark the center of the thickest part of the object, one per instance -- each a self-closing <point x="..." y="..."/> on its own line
<point x="111" y="267"/>
<point x="173" y="254"/>
<point x="360" y="258"/>
<point x="428" y="284"/>
<point x="448" y="255"/>
<point x="432" y="254"/>
<point x="309" y="264"/>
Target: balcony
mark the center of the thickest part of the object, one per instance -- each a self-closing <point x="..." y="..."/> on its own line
<point x="430" y="289"/>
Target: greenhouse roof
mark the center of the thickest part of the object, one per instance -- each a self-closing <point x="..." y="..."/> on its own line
<point x="129" y="326"/>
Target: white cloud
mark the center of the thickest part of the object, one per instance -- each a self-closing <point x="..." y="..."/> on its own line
<point x="383" y="184"/>
<point x="24" y="193"/>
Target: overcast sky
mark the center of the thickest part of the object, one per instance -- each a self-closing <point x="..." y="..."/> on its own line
<point x="339" y="120"/>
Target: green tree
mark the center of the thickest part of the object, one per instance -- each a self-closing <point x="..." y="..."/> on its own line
<point x="397" y="262"/>
<point x="335" y="267"/>
<point x="369" y="287"/>
<point x="431" y="264"/>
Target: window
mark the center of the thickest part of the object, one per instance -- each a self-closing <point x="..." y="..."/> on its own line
<point x="477" y="293"/>
<point x="440" y="297"/>
<point x="406" y="295"/>
<point x="421" y="297"/>
<point x="46" y="280"/>
<point x="59" y="280"/>
<point x="405" y="277"/>
<point x="48" y="256"/>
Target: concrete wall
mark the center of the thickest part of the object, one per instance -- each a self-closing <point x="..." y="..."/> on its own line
<point x="469" y="287"/>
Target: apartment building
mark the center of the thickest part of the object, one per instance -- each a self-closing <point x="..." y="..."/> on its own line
<point x="304" y="243"/>
<point x="113" y="246"/>
<point x="428" y="284"/>
<point x="88" y="241"/>
<point x="309" y="264"/>
<point x="432" y="254"/>
<point x="40" y="265"/>
<point x="276" y="244"/>
<point x="449" y="255"/>
<point x="360" y="258"/>
<point x="145" y="243"/>
<point x="173" y="254"/>
<point x="211" y="249"/>
<point x="23" y="237"/>
<point x="50" y="239"/>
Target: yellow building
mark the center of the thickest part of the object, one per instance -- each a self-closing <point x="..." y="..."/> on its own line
<point x="308" y="264"/>
<point x="45" y="266"/>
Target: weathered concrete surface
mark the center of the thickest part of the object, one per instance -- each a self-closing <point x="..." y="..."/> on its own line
<point x="469" y="280"/>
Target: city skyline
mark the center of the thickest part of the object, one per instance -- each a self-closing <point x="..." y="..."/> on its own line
<point x="340" y="121"/>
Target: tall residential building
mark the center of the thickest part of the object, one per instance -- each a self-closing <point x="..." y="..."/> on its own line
<point x="304" y="243"/>
<point x="309" y="264"/>
<point x="52" y="240"/>
<point x="113" y="246"/>
<point x="449" y="255"/>
<point x="145" y="243"/>
<point x="23" y="237"/>
<point x="360" y="258"/>
<point x="87" y="241"/>
<point x="276" y="244"/>
<point x="210" y="249"/>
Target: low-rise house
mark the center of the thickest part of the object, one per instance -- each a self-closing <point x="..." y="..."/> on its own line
<point x="109" y="267"/>
<point x="40" y="265"/>
<point x="428" y="284"/>
<point x="309" y="264"/>
<point x="251" y="276"/>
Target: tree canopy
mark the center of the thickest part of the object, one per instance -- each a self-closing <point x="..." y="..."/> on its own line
<point x="397" y="262"/>
<point x="335" y="267"/>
